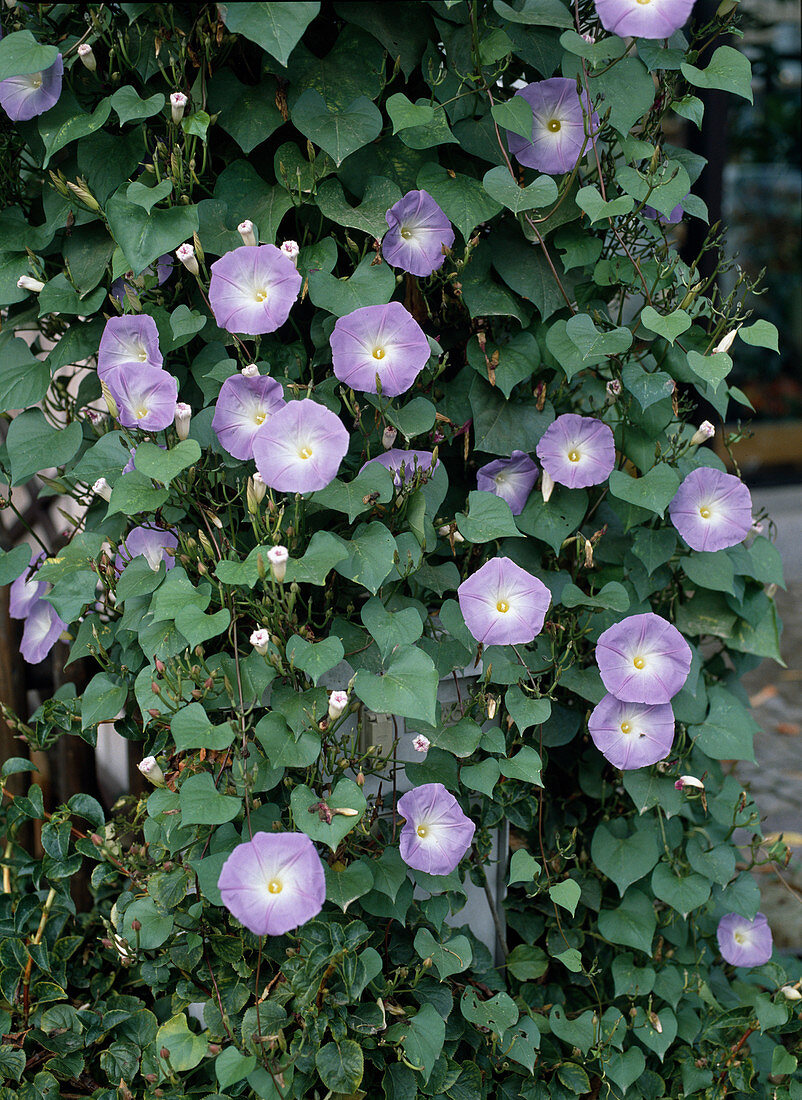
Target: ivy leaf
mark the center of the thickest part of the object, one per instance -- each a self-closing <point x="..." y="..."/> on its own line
<point x="632" y="924"/>
<point x="230" y="1066"/>
<point x="14" y="562"/>
<point x="337" y="132"/>
<point x="535" y="13"/>
<point x="462" y="198"/>
<point x="403" y="113"/>
<point x="283" y="748"/>
<point x="525" y="765"/>
<point x="380" y="194"/>
<point x="186" y="1048"/>
<point x="163" y="466"/>
<point x="762" y="334"/>
<point x="622" y="854"/>
<point x="566" y="894"/>
<point x="553" y="521"/>
<point x="324" y="551"/>
<point x="682" y="892"/>
<point x="594" y="344"/>
<point x="523" y="867"/>
<point x="589" y="199"/>
<point x="502" y="186"/>
<point x="422" y="1037"/>
<point x="729" y="70"/>
<point x="499" y="1013"/>
<point x="191" y="729"/>
<point x="391" y="629"/>
<point x="147" y="197"/>
<point x="66" y="122"/>
<point x="276" y="27"/>
<point x="370" y="285"/>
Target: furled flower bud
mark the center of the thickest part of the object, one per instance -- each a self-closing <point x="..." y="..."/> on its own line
<point x="791" y="993"/>
<point x="704" y="432"/>
<point x="546" y="486"/>
<point x="689" y="781"/>
<point x="278" y="557"/>
<point x="87" y="56"/>
<point x="151" y="771"/>
<point x="447" y="533"/>
<point x="186" y="254"/>
<point x="421" y="743"/>
<point x="490" y="705"/>
<point x="25" y="282"/>
<point x="178" y="102"/>
<point x="388" y="437"/>
<point x="338" y="701"/>
<point x="251" y="371"/>
<point x="613" y="389"/>
<point x="102" y="488"/>
<point x="291" y="250"/>
<point x="183" y="415"/>
<point x="254" y="493"/>
<point x="246" y="231"/>
<point x="260" y="640"/>
<point x="725" y="343"/>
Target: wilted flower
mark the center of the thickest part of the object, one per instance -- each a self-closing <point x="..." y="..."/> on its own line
<point x="247" y="231"/>
<point x="301" y="447"/>
<point x="502" y="604"/>
<point x="632" y="735"/>
<point x="25" y="97"/>
<point x="437" y="834"/>
<point x="643" y="18"/>
<point x="150" y="543"/>
<point x="711" y="510"/>
<point x="744" y="942"/>
<point x="558" y="126"/>
<point x="151" y="771"/>
<point x="185" y="254"/>
<point x="421" y="743"/>
<point x="25" y="282"/>
<point x="509" y="478"/>
<point x="87" y="56"/>
<point x="273" y="883"/>
<point x="389" y="436"/>
<point x="178" y="102"/>
<point x="704" y="432"/>
<point x="643" y="659"/>
<point x="128" y="342"/>
<point x="101" y="488"/>
<point x="278" y="556"/>
<point x="146" y="397"/>
<point x="379" y="340"/>
<point x="418" y="233"/>
<point x="689" y="781"/>
<point x="244" y="405"/>
<point x="291" y="250"/>
<point x="577" y="451"/>
<point x="183" y="415"/>
<point x="250" y="371"/>
<point x="260" y="640"/>
<point x="613" y="388"/>
<point x="405" y="465"/>
<point x="338" y="701"/>
<point x="252" y="289"/>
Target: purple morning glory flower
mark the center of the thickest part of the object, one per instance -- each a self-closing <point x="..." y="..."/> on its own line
<point x="643" y="659"/>
<point x="164" y="269"/>
<point x="404" y="465"/>
<point x="437" y="834"/>
<point x="42" y="630"/>
<point x="383" y="340"/>
<point x="502" y="604"/>
<point x="711" y="510"/>
<point x="673" y="218"/>
<point x="273" y="883"/>
<point x="300" y="448"/>
<point x="744" y="942"/>
<point x="632" y="735"/>
<point x="577" y="451"/>
<point x="243" y="407"/>
<point x="252" y="289"/>
<point x="643" y="18"/>
<point x="26" y="590"/>
<point x="150" y="543"/>
<point x="146" y="396"/>
<point x="25" y="97"/>
<point x="509" y="478"/>
<point x="558" y="126"/>
<point x="418" y="232"/>
<point x="130" y="341"/>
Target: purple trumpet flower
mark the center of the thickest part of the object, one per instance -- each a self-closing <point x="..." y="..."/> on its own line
<point x="711" y="510"/>
<point x="632" y="735"/>
<point x="509" y="478"/>
<point x="26" y="590"/>
<point x="252" y="289"/>
<point x="418" y="234"/>
<point x="437" y="834"/>
<point x="643" y="18"/>
<point x="146" y="396"/>
<point x="163" y="271"/>
<point x="273" y="883"/>
<point x="300" y="448"/>
<point x="502" y="604"/>
<point x="405" y="465"/>
<point x="379" y="340"/>
<point x="744" y="942"/>
<point x="559" y="120"/>
<point x="150" y="543"/>
<point x="130" y="341"/>
<point x="25" y="97"/>
<point x="243" y="407"/>
<point x="577" y="451"/>
<point x="643" y="659"/>
<point x="43" y="627"/>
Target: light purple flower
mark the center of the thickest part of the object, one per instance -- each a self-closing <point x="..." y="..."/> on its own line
<point x="405" y="465"/>
<point x="300" y="448"/>
<point x="744" y="942"/>
<point x="42" y="629"/>
<point x="711" y="510"/>
<point x="632" y="735"/>
<point x="150" y="543"/>
<point x="558" y="126"/>
<point x="146" y="396"/>
<point x="26" y="590"/>
<point x="252" y="289"/>
<point x="273" y="883"/>
<point x="163" y="271"/>
<point x="643" y="18"/>
<point x="128" y="342"/>
<point x="502" y="604"/>
<point x="379" y="340"/>
<point x="509" y="478"/>
<point x="243" y="407"/>
<point x="643" y="659"/>
<point x="577" y="451"/>
<point x="418" y="231"/>
<point x="674" y="218"/>
<point x="25" y="97"/>
<point x="437" y="834"/>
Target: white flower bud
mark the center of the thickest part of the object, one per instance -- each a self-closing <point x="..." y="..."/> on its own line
<point x="87" y="55"/>
<point x="246" y="231"/>
<point x="291" y="250"/>
<point x="725" y="343"/>
<point x="546" y="486"/>
<point x="255" y="492"/>
<point x="421" y="743"/>
<point x="689" y="781"/>
<point x="178" y="102"/>
<point x="704" y="432"/>
<point x="102" y="488"/>
<point x="791" y="993"/>
<point x="491" y="703"/>
<point x="186" y="254"/>
<point x="25" y="282"/>
<point x="338" y="701"/>
<point x="447" y="533"/>
<point x="251" y="371"/>
<point x="278" y="557"/>
<point x="183" y="415"/>
<point x="151" y="771"/>
<point x="260" y="640"/>
<point x="388" y="437"/>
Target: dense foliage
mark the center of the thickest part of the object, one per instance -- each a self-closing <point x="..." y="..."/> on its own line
<point x="561" y="293"/>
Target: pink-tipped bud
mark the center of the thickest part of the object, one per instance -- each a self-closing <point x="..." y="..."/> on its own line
<point x="178" y="102"/>
<point x="291" y="250"/>
<point x="421" y="743"/>
<point x="338" y="701"/>
<point x="87" y="56"/>
<point x="388" y="437"/>
<point x="101" y="488"/>
<point x="186" y="254"/>
<point x="704" y="432"/>
<point x="278" y="556"/>
<point x="25" y="282"/>
<point x="689" y="781"/>
<point x="151" y="771"/>
<point x="613" y="389"/>
<point x="260" y="640"/>
<point x="247" y="231"/>
<point x="183" y="415"/>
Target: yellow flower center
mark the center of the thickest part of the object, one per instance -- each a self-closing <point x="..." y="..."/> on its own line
<point x="422" y="831"/>
<point x="625" y="727"/>
<point x="142" y="356"/>
<point x="378" y="353"/>
<point x="37" y="80"/>
<point x="141" y="412"/>
<point x="274" y="886"/>
<point x="639" y="662"/>
<point x="704" y="513"/>
<point x="573" y="456"/>
<point x="406" y="233"/>
<point x="305" y="452"/>
<point x="502" y="606"/>
<point x="259" y="418"/>
<point x="260" y="295"/>
<point x="739" y="937"/>
<point x="554" y="125"/>
<point x="644" y="1"/>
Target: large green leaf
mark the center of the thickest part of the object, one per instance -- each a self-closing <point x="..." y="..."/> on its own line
<point x="202" y="804"/>
<point x="21" y="54"/>
<point x="103" y="700"/>
<point x="66" y="122"/>
<point x="130" y="107"/>
<point x="654" y="491"/>
<point x="371" y="284"/>
<point x="337" y="132"/>
<point x="622" y="854"/>
<point x="276" y="27"/>
<point x="24" y="379"/>
<point x="312" y="820"/>
<point x="462" y="198"/>
<point x="407" y="686"/>
<point x="728" y="70"/>
<point x="369" y="216"/>
<point x="35" y="445"/>
<point x="341" y="1066"/>
<point x="503" y="188"/>
<point x="246" y="111"/>
<point x="370" y="556"/>
<point x="728" y="731"/>
<point x="143" y="236"/>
